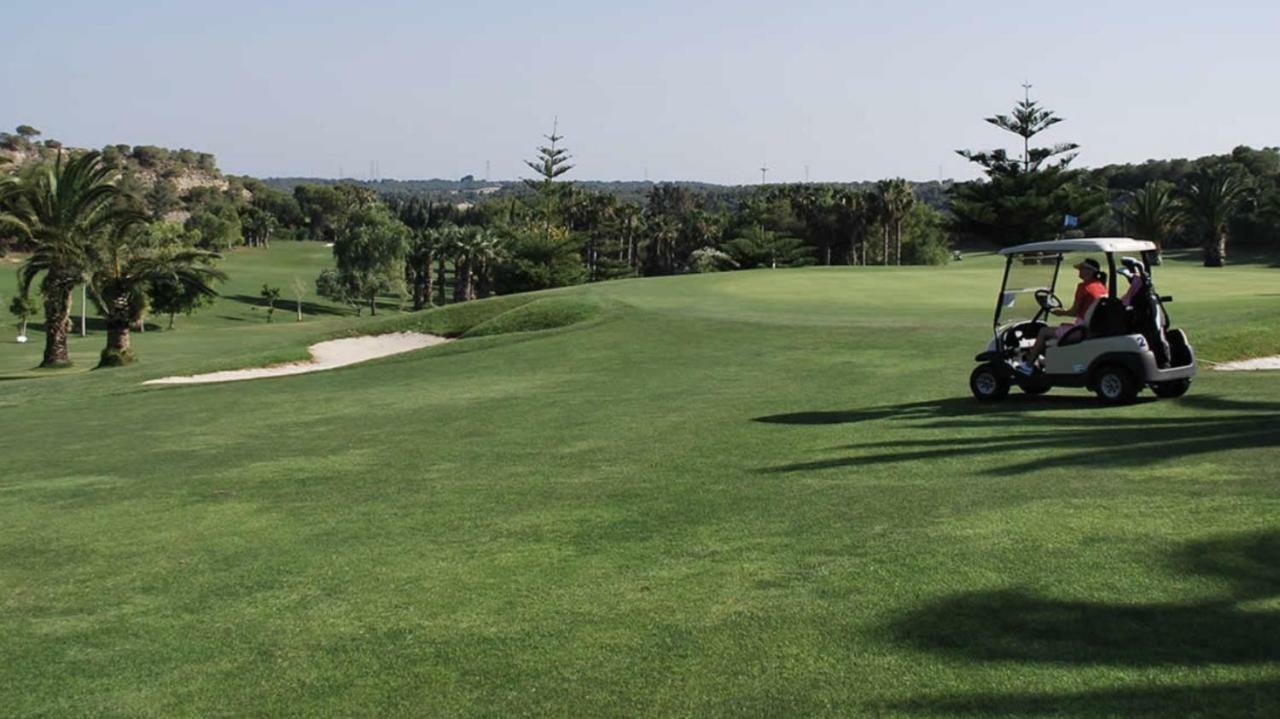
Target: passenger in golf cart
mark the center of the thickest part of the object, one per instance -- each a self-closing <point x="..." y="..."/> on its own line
<point x="1092" y="287"/>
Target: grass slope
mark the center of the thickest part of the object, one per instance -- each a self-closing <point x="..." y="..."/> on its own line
<point x="760" y="493"/>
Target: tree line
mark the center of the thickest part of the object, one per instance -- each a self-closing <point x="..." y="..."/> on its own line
<point x="1036" y="195"/>
<point x="116" y="223"/>
<point x="558" y="233"/>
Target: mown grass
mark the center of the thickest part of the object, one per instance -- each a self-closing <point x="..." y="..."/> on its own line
<point x="761" y="493"/>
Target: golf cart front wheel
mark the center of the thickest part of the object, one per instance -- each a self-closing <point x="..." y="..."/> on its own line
<point x="1171" y="389"/>
<point x="1116" y="385"/>
<point x="989" y="383"/>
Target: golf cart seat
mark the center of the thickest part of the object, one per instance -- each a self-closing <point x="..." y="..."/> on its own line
<point x="1105" y="318"/>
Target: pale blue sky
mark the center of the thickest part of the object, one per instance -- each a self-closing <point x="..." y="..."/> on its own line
<point x="686" y="90"/>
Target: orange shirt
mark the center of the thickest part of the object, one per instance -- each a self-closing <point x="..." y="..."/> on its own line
<point x="1086" y="294"/>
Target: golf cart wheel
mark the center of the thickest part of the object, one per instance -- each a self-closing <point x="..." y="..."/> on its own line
<point x="989" y="382"/>
<point x="1171" y="389"/>
<point x="1116" y="385"/>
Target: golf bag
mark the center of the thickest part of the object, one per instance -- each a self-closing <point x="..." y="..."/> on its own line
<point x="1146" y="314"/>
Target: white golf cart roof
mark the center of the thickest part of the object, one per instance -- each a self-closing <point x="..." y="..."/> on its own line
<point x="1091" y="244"/>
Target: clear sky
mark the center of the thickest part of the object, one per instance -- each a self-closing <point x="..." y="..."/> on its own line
<point x="678" y="90"/>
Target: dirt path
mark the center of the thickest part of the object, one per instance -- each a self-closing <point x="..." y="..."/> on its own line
<point x="324" y="355"/>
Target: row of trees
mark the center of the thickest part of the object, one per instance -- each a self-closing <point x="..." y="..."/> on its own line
<point x="1026" y="197"/>
<point x="557" y="234"/>
<point x="82" y="228"/>
<point x="87" y="222"/>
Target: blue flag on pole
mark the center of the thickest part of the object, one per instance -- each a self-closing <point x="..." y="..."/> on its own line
<point x="1070" y="221"/>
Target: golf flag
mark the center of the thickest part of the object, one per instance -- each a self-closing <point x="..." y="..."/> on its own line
<point x="1070" y="221"/>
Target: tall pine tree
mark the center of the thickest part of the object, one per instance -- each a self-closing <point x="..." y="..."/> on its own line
<point x="1024" y="199"/>
<point x="551" y="163"/>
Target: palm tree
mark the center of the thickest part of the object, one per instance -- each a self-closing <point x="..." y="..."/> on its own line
<point x="855" y="211"/>
<point x="65" y="210"/>
<point x="423" y="246"/>
<point x="1154" y="213"/>
<point x="125" y="266"/>
<point x="896" y="200"/>
<point x="1212" y="197"/>
<point x="629" y="225"/>
<point x="487" y="250"/>
<point x="660" y="245"/>
<point x="447" y="237"/>
<point x="463" y="247"/>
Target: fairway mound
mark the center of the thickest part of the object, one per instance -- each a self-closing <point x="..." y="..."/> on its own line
<point x="324" y="355"/>
<point x="546" y="313"/>
<point x="1257" y="363"/>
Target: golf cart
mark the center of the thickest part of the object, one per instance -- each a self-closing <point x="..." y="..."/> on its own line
<point x="1122" y="344"/>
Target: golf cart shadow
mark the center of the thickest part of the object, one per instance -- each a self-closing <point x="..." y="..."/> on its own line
<point x="1021" y="626"/>
<point x="1048" y="439"/>
<point x="950" y="407"/>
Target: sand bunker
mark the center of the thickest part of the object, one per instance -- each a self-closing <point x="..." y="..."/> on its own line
<point x="324" y="355"/>
<point x="1256" y="363"/>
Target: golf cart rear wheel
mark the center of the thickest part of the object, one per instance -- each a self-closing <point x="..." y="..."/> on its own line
<point x="1171" y="389"/>
<point x="989" y="382"/>
<point x="1116" y="385"/>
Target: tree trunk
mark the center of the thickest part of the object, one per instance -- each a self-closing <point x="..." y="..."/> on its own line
<point x="828" y="255"/>
<point x="886" y="244"/>
<point x="897" y="240"/>
<point x="373" y="305"/>
<point x="426" y="280"/>
<point x="174" y="314"/>
<point x="57" y="323"/>
<point x="440" y="277"/>
<point x="419" y="288"/>
<point x="118" y="351"/>
<point x="461" y="280"/>
<point x="482" y="281"/>
<point x="1215" y="248"/>
<point x="298" y="302"/>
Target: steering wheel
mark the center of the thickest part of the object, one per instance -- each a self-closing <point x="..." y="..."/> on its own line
<point x="1047" y="300"/>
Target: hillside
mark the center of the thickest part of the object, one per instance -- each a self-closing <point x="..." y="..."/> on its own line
<point x="142" y="164"/>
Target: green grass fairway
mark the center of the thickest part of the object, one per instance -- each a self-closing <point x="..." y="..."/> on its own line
<point x="760" y="493"/>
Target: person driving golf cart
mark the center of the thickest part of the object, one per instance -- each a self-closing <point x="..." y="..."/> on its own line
<point x="1092" y="287"/>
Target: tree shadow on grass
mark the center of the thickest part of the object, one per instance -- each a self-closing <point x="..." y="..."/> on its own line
<point x="1057" y="440"/>
<point x="291" y="306"/>
<point x="1019" y="626"/>
<point x="91" y="324"/>
<point x="1237" y="699"/>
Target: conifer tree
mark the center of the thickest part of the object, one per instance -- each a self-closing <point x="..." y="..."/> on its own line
<point x="1026" y="198"/>
<point x="552" y="162"/>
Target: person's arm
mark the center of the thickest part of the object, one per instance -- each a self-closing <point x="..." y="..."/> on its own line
<point x="1068" y="312"/>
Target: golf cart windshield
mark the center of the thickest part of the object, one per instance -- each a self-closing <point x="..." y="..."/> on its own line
<point x="1025" y="275"/>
